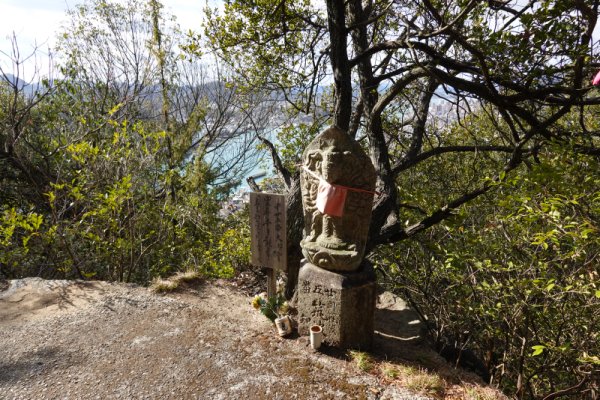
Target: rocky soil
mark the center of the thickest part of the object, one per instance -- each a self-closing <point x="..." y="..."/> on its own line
<point x="98" y="340"/>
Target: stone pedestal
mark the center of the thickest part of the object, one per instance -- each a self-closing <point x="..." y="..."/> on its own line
<point x="343" y="304"/>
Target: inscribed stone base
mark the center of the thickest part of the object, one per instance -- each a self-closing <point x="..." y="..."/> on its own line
<point x="342" y="303"/>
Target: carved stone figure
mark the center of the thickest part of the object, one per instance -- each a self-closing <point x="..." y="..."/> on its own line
<point x="336" y="169"/>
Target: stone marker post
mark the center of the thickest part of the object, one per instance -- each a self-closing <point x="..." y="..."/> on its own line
<point x="336" y="288"/>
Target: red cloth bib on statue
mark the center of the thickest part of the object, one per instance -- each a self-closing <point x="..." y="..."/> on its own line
<point x="331" y="198"/>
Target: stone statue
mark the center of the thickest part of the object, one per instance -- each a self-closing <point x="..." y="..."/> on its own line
<point x="338" y="182"/>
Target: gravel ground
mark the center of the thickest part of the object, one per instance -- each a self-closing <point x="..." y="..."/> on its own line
<point x="97" y="340"/>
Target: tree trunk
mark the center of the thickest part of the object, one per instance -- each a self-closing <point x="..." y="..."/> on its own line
<point x="295" y="224"/>
<point x="342" y="78"/>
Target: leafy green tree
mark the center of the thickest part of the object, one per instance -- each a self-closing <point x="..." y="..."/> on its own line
<point x="113" y="171"/>
<point x="20" y="156"/>
<point x="512" y="275"/>
<point x="398" y="55"/>
<point x="515" y="77"/>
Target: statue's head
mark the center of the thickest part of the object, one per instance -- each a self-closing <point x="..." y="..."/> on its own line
<point x="335" y="235"/>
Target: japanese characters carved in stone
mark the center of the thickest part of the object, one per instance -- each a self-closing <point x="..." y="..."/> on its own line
<point x="336" y="243"/>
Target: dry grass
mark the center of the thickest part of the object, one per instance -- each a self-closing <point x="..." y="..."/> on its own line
<point x="362" y="360"/>
<point x="424" y="382"/>
<point x="389" y="370"/>
<point x="160" y="285"/>
<point x="482" y="393"/>
<point x="417" y="380"/>
<point x="420" y="380"/>
<point x="187" y="276"/>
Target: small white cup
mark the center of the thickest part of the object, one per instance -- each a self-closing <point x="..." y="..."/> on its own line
<point x="316" y="336"/>
<point x="284" y="326"/>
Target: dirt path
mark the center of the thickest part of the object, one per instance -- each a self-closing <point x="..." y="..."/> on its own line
<point x="68" y="340"/>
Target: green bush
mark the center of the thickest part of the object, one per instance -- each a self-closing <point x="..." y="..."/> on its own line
<point x="515" y="278"/>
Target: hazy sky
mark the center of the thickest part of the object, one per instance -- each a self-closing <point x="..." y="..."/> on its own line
<point x="38" y="21"/>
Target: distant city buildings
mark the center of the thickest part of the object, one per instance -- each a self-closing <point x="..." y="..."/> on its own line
<point x="235" y="203"/>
